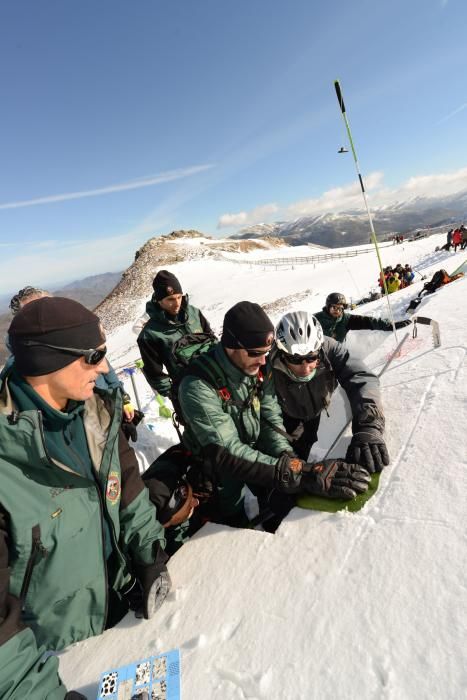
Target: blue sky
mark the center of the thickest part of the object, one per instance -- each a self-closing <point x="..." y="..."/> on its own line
<point x="124" y="120"/>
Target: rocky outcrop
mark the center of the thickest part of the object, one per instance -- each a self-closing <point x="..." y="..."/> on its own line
<point x="124" y="301"/>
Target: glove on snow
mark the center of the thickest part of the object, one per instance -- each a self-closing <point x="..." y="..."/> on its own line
<point x="155" y="583"/>
<point x="334" y="478"/>
<point x="401" y="324"/>
<point x="368" y="449"/>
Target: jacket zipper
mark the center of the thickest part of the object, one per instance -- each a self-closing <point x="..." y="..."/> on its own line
<point x="38" y="551"/>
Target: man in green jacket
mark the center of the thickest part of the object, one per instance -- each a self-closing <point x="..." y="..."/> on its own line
<point x="175" y="330"/>
<point x="234" y="430"/>
<point x="336" y="323"/>
<point x="77" y="529"/>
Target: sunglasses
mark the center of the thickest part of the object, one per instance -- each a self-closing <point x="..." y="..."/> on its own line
<point x="299" y="359"/>
<point x="250" y="353"/>
<point x="338" y="307"/>
<point x="91" y="356"/>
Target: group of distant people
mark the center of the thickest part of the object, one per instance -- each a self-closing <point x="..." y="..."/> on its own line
<point x="456" y="238"/>
<point x="83" y="536"/>
<point x="398" y="238"/>
<point x="396" y="277"/>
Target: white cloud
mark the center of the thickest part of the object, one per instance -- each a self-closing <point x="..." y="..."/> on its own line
<point x="168" y="176"/>
<point x="348" y="197"/>
<point x="244" y="218"/>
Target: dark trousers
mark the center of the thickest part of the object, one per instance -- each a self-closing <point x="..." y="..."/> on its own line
<point x="306" y="432"/>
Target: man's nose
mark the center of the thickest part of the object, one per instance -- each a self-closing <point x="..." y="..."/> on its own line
<point x="103" y="366"/>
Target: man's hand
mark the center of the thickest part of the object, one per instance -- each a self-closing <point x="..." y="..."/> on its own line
<point x="289" y="474"/>
<point x="155" y="585"/>
<point x="368" y="449"/>
<point x="156" y="594"/>
<point x="334" y="478"/>
<point x="128" y="412"/>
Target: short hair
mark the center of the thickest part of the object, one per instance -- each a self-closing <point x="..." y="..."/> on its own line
<point x="26" y="295"/>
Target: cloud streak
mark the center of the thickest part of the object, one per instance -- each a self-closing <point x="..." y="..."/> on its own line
<point x="348" y="197"/>
<point x="168" y="176"/>
<point x="452" y="114"/>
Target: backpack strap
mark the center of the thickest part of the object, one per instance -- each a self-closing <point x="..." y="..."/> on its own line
<point x="208" y="369"/>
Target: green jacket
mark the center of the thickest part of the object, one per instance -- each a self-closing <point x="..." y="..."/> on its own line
<point x="52" y="555"/>
<point x="157" y="339"/>
<point x="338" y="328"/>
<point x="235" y="439"/>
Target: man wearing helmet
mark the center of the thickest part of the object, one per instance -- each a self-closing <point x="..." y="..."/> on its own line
<point x="336" y="323"/>
<point x="306" y="368"/>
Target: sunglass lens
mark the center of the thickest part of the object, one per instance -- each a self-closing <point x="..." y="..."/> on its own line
<point x="96" y="356"/>
<point x="257" y="353"/>
<point x="298" y="359"/>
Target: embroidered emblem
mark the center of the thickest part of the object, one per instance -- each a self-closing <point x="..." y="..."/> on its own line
<point x="296" y="465"/>
<point x="170" y="291"/>
<point x="113" y="487"/>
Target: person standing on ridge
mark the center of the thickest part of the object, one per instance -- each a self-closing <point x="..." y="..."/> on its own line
<point x="336" y="323"/>
<point x="306" y="368"/>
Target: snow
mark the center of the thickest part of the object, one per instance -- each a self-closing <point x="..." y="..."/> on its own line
<point x="370" y="604"/>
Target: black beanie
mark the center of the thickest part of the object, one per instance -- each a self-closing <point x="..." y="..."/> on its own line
<point x="55" y="321"/>
<point x="247" y="326"/>
<point x="165" y="284"/>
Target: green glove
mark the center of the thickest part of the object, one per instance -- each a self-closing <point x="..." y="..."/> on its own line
<point x="164" y="411"/>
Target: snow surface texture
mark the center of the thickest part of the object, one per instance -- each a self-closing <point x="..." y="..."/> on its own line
<point x="370" y="605"/>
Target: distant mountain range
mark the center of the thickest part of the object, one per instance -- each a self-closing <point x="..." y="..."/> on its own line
<point x="352" y="227"/>
<point x="89" y="291"/>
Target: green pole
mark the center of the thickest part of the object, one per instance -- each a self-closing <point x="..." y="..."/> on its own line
<point x="340" y="99"/>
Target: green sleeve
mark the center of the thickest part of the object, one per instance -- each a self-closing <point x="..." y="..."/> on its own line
<point x="24" y="673"/>
<point x="209" y="424"/>
<point x="141" y="532"/>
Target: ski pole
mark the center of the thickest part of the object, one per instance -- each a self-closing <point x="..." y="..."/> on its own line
<point x="340" y="99"/>
<point x="131" y="371"/>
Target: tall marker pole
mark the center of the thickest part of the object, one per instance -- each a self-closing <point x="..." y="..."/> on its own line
<point x="340" y="99"/>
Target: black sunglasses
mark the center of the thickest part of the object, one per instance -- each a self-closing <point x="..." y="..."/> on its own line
<point x="250" y="353"/>
<point x="91" y="356"/>
<point x="339" y="307"/>
<point x="299" y="359"/>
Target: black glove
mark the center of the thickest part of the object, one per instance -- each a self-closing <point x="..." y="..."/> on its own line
<point x="288" y="474"/>
<point x="334" y="478"/>
<point x="402" y="324"/>
<point x="129" y="429"/>
<point x="74" y="695"/>
<point x="155" y="584"/>
<point x="368" y="449"/>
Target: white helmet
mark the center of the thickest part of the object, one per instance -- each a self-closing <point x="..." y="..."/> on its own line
<point x="299" y="333"/>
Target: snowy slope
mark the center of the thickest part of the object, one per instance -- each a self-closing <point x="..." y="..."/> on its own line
<point x="366" y="605"/>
